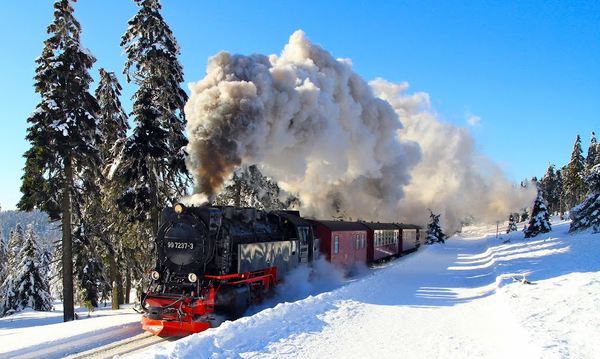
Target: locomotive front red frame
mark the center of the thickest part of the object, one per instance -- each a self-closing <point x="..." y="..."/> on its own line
<point x="188" y="314"/>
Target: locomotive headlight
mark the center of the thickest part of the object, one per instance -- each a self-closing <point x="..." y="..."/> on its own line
<point x="155" y="275"/>
<point x="192" y="277"/>
<point x="179" y="208"/>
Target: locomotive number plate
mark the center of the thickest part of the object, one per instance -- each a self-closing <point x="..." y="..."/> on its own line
<point x="180" y="245"/>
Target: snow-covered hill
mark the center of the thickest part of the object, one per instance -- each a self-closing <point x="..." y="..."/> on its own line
<point x="454" y="300"/>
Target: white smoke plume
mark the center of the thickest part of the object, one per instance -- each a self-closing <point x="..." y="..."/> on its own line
<point x="309" y="121"/>
<point x="318" y="128"/>
<point x="453" y="179"/>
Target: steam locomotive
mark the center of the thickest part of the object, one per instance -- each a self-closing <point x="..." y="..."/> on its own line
<point x="218" y="260"/>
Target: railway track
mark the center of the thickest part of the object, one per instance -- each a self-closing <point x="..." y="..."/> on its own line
<point x="122" y="348"/>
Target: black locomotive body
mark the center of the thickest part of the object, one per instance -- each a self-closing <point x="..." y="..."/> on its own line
<point x="219" y="260"/>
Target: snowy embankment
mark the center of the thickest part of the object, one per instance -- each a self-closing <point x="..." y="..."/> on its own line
<point x="457" y="299"/>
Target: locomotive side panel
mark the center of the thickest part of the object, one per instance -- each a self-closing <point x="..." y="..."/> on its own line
<point x="257" y="256"/>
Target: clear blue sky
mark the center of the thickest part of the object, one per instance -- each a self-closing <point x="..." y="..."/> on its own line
<point x="530" y="70"/>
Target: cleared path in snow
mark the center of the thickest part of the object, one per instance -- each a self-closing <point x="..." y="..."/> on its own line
<point x="421" y="306"/>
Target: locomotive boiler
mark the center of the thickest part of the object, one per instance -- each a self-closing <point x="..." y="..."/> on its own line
<point x="218" y="260"/>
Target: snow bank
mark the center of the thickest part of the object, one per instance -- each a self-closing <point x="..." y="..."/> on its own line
<point x="455" y="300"/>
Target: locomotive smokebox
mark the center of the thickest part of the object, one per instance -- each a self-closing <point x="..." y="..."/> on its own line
<point x="182" y="245"/>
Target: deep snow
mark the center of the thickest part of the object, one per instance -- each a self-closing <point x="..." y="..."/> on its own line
<point x="452" y="300"/>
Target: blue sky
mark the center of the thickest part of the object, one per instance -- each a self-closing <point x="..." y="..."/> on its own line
<point x="527" y="71"/>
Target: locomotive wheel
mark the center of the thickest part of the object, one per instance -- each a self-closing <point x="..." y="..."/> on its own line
<point x="232" y="301"/>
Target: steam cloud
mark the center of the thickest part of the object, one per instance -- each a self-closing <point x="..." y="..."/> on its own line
<point x="321" y="131"/>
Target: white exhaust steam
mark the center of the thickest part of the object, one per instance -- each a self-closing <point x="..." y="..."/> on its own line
<point x="321" y="131"/>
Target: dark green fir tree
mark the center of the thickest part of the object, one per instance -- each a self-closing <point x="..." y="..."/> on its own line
<point x="587" y="214"/>
<point x="551" y="187"/>
<point x="590" y="160"/>
<point x="434" y="230"/>
<point x="574" y="185"/>
<point x="26" y="286"/>
<point x="539" y="221"/>
<point x="512" y="226"/>
<point x="62" y="134"/>
<point x="110" y="223"/>
<point x="152" y="165"/>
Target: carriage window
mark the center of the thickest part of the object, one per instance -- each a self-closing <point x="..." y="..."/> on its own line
<point x="362" y="239"/>
<point x="357" y="241"/>
<point x="336" y="244"/>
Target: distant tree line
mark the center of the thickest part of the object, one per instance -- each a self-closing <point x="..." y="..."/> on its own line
<point x="574" y="188"/>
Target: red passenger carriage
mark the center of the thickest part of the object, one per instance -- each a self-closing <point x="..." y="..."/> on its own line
<point x="382" y="241"/>
<point x="342" y="243"/>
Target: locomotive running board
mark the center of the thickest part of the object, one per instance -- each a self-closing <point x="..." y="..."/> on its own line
<point x="164" y="328"/>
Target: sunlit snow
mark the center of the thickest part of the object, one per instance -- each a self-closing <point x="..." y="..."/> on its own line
<point x="462" y="299"/>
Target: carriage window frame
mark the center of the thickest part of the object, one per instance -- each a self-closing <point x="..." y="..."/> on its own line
<point x="336" y="244"/>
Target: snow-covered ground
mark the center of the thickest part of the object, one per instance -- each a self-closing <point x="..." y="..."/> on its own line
<point x="452" y="300"/>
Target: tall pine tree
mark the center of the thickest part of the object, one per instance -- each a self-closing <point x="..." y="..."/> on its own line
<point x="3" y="258"/>
<point x="574" y="185"/>
<point x="62" y="134"/>
<point x="590" y="160"/>
<point x="552" y="189"/>
<point x="597" y="160"/>
<point x="110" y="223"/>
<point x="153" y="161"/>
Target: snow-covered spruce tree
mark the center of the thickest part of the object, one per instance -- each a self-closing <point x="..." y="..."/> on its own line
<point x="434" y="231"/>
<point x="27" y="286"/>
<point x="62" y="134"/>
<point x="574" y="184"/>
<point x="15" y="243"/>
<point x="3" y="259"/>
<point x="248" y="187"/>
<point x="540" y="218"/>
<point x="110" y="222"/>
<point x="512" y="226"/>
<point x="91" y="282"/>
<point x="597" y="160"/>
<point x="552" y="189"/>
<point x="153" y="162"/>
<point x="591" y="155"/>
<point x="587" y="214"/>
<point x="3" y="255"/>
<point x="112" y="119"/>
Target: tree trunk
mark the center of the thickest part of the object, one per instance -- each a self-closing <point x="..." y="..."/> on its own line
<point x="120" y="287"/>
<point x="127" y="286"/>
<point x="112" y="267"/>
<point x="67" y="245"/>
